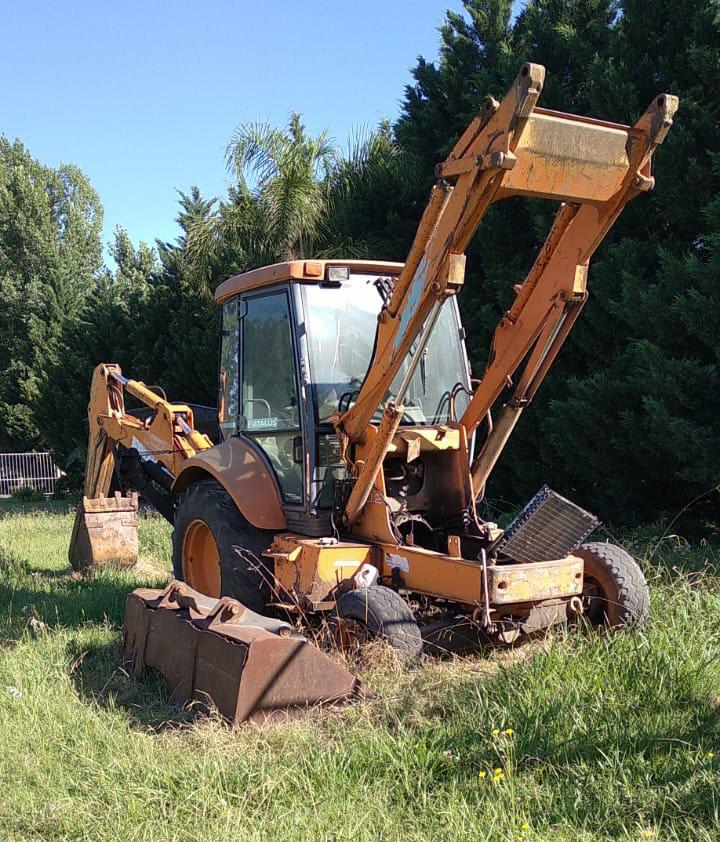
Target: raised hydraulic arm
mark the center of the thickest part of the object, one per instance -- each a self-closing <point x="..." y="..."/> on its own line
<point x="593" y="168"/>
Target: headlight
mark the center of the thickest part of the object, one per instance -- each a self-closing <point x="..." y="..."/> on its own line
<point x="338" y="274"/>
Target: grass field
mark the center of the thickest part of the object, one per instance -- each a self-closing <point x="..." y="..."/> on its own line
<point x="611" y="737"/>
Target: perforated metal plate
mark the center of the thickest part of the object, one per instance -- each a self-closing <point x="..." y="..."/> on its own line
<point x="548" y="527"/>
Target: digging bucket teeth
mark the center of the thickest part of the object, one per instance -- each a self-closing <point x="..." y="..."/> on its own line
<point x="105" y="531"/>
<point x="218" y="653"/>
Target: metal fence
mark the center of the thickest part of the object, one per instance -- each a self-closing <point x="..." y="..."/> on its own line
<point x="27" y="470"/>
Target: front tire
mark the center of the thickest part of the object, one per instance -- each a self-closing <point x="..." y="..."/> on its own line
<point x="615" y="591"/>
<point x="385" y="614"/>
<point x="216" y="551"/>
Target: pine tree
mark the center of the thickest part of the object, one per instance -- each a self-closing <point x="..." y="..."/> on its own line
<point x="50" y="257"/>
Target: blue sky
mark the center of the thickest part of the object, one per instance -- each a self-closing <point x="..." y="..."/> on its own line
<point x="144" y="96"/>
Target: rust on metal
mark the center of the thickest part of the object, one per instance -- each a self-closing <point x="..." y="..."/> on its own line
<point x="392" y="415"/>
<point x="308" y="570"/>
<point x="219" y="654"/>
<point x="105" y="532"/>
<point x="237" y="466"/>
<point x="512" y="583"/>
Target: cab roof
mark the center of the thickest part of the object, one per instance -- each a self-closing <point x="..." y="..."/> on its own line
<point x="306" y="271"/>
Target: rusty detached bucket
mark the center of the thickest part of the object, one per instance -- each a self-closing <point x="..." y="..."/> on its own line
<point x="105" y="531"/>
<point x="219" y="653"/>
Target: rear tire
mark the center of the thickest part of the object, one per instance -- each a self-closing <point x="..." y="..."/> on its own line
<point x="615" y="592"/>
<point x="216" y="550"/>
<point x="385" y="614"/>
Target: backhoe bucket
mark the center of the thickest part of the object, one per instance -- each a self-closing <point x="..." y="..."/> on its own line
<point x="105" y="532"/>
<point x="222" y="655"/>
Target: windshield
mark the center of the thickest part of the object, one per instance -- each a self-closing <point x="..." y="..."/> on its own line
<point x="341" y="324"/>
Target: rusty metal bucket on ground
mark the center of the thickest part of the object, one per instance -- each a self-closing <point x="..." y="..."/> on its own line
<point x="218" y="653"/>
<point x="105" y="532"/>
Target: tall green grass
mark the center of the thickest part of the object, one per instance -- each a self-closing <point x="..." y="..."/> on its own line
<point x="611" y="737"/>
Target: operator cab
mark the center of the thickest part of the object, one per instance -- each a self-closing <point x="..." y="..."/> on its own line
<point x="296" y="342"/>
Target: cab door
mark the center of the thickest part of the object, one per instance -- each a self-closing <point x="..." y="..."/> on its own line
<point x="269" y="395"/>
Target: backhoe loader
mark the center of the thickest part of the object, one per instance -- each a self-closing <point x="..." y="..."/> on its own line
<point x="355" y="445"/>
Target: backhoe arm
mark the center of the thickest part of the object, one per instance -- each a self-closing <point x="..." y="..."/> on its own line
<point x="168" y="438"/>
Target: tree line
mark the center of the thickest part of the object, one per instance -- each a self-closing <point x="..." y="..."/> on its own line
<point x="627" y="421"/>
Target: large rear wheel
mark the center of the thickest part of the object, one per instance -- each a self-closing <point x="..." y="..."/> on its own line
<point x="216" y="551"/>
<point x="615" y="592"/>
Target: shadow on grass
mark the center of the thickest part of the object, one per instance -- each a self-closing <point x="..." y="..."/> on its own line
<point x="61" y="598"/>
<point x="100" y="677"/>
<point x="68" y="600"/>
<point x="70" y="603"/>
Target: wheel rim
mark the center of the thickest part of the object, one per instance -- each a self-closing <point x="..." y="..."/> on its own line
<point x="594" y="601"/>
<point x="201" y="559"/>
<point x="348" y="634"/>
<point x="599" y="596"/>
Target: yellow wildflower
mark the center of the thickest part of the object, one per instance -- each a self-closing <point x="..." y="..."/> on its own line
<point x="509" y="732"/>
<point x="482" y="773"/>
<point x="524" y="826"/>
<point x="495" y="732"/>
<point x="710" y="755"/>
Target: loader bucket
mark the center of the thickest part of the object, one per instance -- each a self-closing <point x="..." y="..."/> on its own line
<point x="105" y="531"/>
<point x="219" y="654"/>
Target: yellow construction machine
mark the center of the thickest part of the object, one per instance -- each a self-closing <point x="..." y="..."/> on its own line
<point x="354" y="445"/>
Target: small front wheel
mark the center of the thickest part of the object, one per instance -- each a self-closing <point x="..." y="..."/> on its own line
<point x="615" y="591"/>
<point x="385" y="614"/>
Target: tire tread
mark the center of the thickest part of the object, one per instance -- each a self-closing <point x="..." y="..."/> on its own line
<point x="388" y="616"/>
<point x="633" y="592"/>
<point x="239" y="580"/>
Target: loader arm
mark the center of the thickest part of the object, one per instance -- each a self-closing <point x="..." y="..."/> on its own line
<point x="168" y="438"/>
<point x="593" y="168"/>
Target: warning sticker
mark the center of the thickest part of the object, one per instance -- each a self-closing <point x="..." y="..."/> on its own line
<point x="145" y="454"/>
<point x="398" y="561"/>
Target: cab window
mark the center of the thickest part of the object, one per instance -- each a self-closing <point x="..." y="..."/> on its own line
<point x="270" y="405"/>
<point x="228" y="397"/>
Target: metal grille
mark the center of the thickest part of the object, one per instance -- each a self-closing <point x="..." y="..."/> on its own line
<point x="548" y="527"/>
<point x="27" y="470"/>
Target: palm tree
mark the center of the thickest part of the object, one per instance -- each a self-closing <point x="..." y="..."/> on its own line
<point x="292" y="196"/>
<point x="372" y="168"/>
<point x="286" y="172"/>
